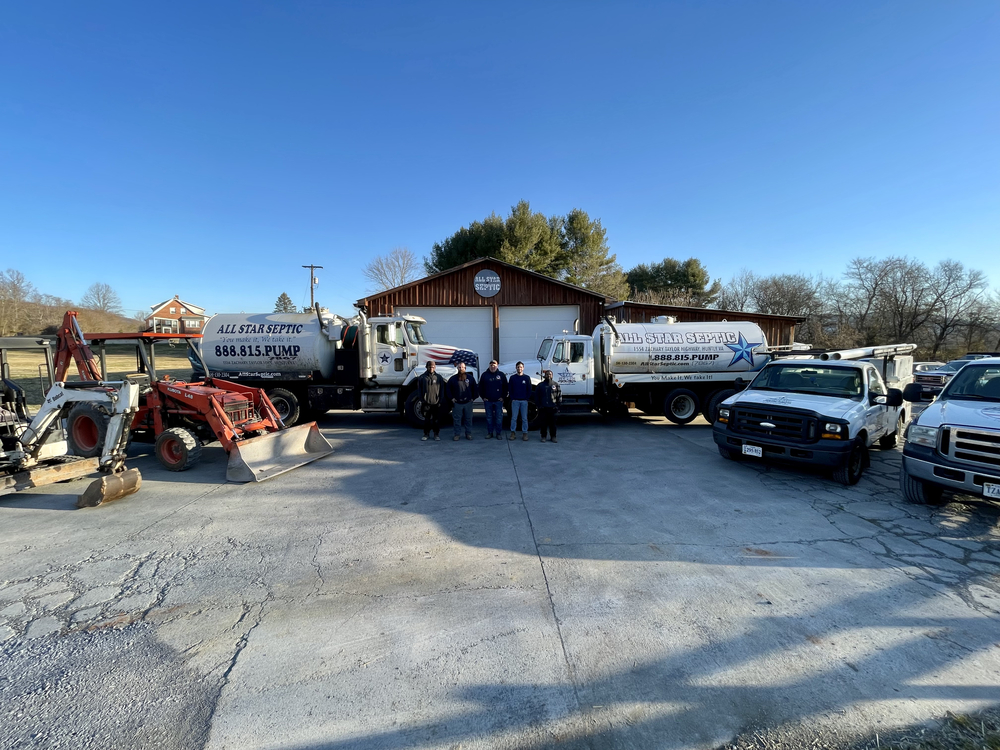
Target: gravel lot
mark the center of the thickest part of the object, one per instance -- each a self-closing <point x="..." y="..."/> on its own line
<point x="624" y="588"/>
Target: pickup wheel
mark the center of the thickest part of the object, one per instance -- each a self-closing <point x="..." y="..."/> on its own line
<point x="711" y="411"/>
<point x="854" y="467"/>
<point x="86" y="428"/>
<point x="286" y="404"/>
<point x="919" y="492"/>
<point x="680" y="406"/>
<point x="729" y="454"/>
<point x="888" y="442"/>
<point x="177" y="449"/>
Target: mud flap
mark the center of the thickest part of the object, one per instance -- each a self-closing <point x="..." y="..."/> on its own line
<point x="269" y="455"/>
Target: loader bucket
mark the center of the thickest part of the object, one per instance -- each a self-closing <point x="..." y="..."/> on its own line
<point x="263" y="457"/>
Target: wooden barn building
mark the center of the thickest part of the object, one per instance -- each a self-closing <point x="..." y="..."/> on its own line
<point x="502" y="311"/>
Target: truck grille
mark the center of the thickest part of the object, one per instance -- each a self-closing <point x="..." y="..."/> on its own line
<point x="931" y="379"/>
<point x="971" y="446"/>
<point x="788" y="425"/>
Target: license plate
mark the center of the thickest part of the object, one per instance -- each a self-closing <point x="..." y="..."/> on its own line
<point x="991" y="490"/>
<point x="756" y="450"/>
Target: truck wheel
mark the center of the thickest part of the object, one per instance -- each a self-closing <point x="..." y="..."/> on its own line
<point x="729" y="454"/>
<point x="86" y="427"/>
<point x="918" y="491"/>
<point x="711" y="411"/>
<point x="286" y="404"/>
<point x="888" y="442"/>
<point x="854" y="467"/>
<point x="177" y="449"/>
<point x="414" y="410"/>
<point x="680" y="406"/>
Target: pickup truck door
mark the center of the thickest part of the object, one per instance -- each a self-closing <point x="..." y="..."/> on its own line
<point x="876" y="416"/>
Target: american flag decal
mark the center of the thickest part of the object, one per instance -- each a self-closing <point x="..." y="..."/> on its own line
<point x="445" y="355"/>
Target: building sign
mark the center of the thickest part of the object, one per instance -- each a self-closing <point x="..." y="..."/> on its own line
<point x="487" y="283"/>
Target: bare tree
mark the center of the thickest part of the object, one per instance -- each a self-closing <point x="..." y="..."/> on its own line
<point x="960" y="295"/>
<point x="391" y="270"/>
<point x="737" y="294"/>
<point x="15" y="292"/>
<point x="101" y="296"/>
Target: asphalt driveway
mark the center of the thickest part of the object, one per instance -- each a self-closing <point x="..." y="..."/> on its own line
<point x="626" y="587"/>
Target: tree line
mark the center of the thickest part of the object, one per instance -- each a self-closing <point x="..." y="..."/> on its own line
<point x="26" y="310"/>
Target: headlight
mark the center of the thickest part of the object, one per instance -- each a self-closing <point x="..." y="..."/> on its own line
<point x="724" y="415"/>
<point x="922" y="435"/>
<point x="831" y="427"/>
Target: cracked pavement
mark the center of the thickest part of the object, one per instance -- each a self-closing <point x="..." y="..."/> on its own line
<point x="626" y="587"/>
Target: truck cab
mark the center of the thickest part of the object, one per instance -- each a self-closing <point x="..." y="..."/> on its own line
<point x="571" y="359"/>
<point x="813" y="411"/>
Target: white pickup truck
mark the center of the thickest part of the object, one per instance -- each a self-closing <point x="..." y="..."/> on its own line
<point x="827" y="411"/>
<point x="954" y="444"/>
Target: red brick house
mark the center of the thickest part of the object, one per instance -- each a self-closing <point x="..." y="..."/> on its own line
<point x="176" y="316"/>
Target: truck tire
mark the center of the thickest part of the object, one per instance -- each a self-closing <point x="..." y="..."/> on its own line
<point x="888" y="442"/>
<point x="729" y="454"/>
<point x="286" y="404"/>
<point x="86" y="428"/>
<point x="413" y="410"/>
<point x="681" y="406"/>
<point x="854" y="466"/>
<point x="919" y="492"/>
<point x="177" y="449"/>
<point x="711" y="411"/>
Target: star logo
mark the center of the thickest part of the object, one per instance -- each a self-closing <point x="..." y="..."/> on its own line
<point x="383" y="358"/>
<point x="743" y="350"/>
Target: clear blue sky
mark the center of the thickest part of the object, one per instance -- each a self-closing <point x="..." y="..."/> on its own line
<point x="210" y="149"/>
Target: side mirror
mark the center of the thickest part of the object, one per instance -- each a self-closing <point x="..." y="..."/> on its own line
<point x="894" y="398"/>
<point x="913" y="392"/>
<point x="739" y="384"/>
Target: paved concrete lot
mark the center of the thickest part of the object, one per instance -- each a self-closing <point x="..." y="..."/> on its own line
<point x="624" y="588"/>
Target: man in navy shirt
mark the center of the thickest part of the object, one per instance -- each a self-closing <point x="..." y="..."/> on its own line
<point x="520" y="391"/>
<point x="462" y="391"/>
<point x="493" y="389"/>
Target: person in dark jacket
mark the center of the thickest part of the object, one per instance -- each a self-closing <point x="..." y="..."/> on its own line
<point x="462" y="391"/>
<point x="493" y="389"/>
<point x="520" y="392"/>
<point x="548" y="396"/>
<point x="433" y="396"/>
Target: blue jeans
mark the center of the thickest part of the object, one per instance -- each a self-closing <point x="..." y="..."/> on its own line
<point x="461" y="416"/>
<point x="494" y="417"/>
<point x="519" y="407"/>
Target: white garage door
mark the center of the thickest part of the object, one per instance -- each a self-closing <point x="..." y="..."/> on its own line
<point x="523" y="328"/>
<point x="464" y="327"/>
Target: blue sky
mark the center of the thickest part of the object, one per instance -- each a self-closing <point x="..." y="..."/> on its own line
<point x="211" y="149"/>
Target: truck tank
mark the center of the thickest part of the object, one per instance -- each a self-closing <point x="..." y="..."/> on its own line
<point x="268" y="343"/>
<point x="685" y="347"/>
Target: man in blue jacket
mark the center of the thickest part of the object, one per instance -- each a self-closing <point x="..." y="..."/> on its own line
<point x="520" y="392"/>
<point x="493" y="389"/>
<point x="462" y="391"/>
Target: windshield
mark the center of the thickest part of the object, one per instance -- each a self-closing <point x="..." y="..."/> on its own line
<point x="954" y="366"/>
<point x="979" y="382"/>
<point x="814" y="379"/>
<point x="416" y="333"/>
<point x="544" y="349"/>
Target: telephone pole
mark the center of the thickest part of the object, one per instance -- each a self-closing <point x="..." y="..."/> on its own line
<point x="312" y="283"/>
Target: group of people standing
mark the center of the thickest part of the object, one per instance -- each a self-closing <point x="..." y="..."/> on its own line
<point x="461" y="390"/>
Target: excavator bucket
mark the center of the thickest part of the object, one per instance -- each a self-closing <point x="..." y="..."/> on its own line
<point x="110" y="487"/>
<point x="263" y="457"/>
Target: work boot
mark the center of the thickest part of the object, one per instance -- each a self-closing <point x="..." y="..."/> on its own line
<point x="525" y="436"/>
<point x="554" y="440"/>
<point x="513" y="436"/>
<point x="489" y="436"/>
<point x="543" y="439"/>
<point x="455" y="438"/>
<point x="467" y="437"/>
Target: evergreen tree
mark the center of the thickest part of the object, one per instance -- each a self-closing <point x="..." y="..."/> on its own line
<point x="587" y="258"/>
<point x="284" y="304"/>
<point x="673" y="282"/>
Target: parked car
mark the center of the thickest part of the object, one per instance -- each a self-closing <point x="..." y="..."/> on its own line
<point x="954" y="443"/>
<point x="931" y="382"/>
<point x="926" y="366"/>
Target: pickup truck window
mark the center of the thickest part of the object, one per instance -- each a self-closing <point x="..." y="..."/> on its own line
<point x="875" y="383"/>
<point x="975" y="382"/>
<point x="813" y="379"/>
<point x="544" y="349"/>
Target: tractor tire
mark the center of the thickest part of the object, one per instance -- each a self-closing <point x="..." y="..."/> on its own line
<point x="177" y="449"/>
<point x="681" y="406"/>
<point x="86" y="428"/>
<point x="888" y="442"/>
<point x="711" y="410"/>
<point x="854" y="466"/>
<point x="286" y="404"/>
<point x="919" y="492"/>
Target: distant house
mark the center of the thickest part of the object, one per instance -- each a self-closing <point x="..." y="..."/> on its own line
<point x="176" y="316"/>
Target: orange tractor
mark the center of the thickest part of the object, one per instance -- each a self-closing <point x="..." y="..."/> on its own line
<point x="179" y="416"/>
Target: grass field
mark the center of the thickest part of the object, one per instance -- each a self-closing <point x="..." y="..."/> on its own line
<point x="25" y="367"/>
